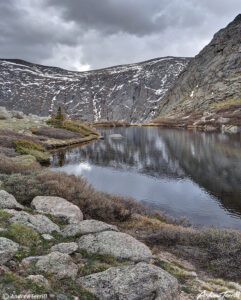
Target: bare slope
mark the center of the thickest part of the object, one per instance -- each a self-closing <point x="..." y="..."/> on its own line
<point x="212" y="79"/>
<point x="129" y="92"/>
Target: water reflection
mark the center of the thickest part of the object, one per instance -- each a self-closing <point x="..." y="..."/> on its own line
<point x="182" y="172"/>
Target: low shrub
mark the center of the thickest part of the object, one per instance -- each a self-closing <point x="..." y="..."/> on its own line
<point x="4" y="216"/>
<point x="10" y="166"/>
<point x="25" y="144"/>
<point x="23" y="235"/>
<point x="7" y="138"/>
<point x="34" y="149"/>
<point x="98" y="205"/>
<point x="222" y="246"/>
<point x="8" y="151"/>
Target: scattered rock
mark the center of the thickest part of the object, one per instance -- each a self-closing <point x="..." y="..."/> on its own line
<point x="63" y="297"/>
<point x="58" y="207"/>
<point x="231" y="129"/>
<point x="116" y="136"/>
<point x="117" y="244"/>
<point x="138" y="282"/>
<point x="8" y="248"/>
<point x="223" y="120"/>
<point x="39" y="223"/>
<point x="30" y="260"/>
<point x="47" y="237"/>
<point x="87" y="226"/>
<point x="40" y="279"/>
<point x="4" y="269"/>
<point x="8" y="201"/>
<point x="67" y="248"/>
<point x="58" y="264"/>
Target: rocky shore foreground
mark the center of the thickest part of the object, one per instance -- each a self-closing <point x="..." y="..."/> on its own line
<point x="49" y="249"/>
<point x="68" y="242"/>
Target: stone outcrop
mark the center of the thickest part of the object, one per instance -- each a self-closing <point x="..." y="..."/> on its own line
<point x="58" y="264"/>
<point x="212" y="77"/>
<point x="87" y="226"/>
<point x="129" y="92"/>
<point x="8" y="248"/>
<point x="138" y="282"/>
<point x="8" y="201"/>
<point x="118" y="244"/>
<point x="57" y="207"/>
<point x="39" y="223"/>
<point x="63" y="260"/>
<point x="67" y="248"/>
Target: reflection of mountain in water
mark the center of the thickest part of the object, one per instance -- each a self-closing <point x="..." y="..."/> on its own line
<point x="211" y="160"/>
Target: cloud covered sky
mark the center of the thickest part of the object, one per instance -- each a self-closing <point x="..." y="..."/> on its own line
<point x="91" y="34"/>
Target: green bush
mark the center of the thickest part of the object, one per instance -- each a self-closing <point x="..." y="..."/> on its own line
<point x="26" y="144"/>
<point x="4" y="216"/>
<point x="23" y="235"/>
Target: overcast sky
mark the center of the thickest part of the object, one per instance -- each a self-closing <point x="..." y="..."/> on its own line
<point x="91" y="34"/>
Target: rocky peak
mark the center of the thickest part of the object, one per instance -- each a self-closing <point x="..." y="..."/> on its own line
<point x="213" y="77"/>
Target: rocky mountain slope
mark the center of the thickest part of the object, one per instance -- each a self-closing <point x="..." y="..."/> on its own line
<point x="213" y="77"/>
<point x="128" y="92"/>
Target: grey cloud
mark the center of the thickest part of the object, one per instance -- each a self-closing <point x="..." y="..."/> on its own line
<point x="79" y="34"/>
<point x="111" y="16"/>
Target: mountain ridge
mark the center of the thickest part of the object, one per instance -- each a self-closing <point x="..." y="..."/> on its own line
<point x="129" y="92"/>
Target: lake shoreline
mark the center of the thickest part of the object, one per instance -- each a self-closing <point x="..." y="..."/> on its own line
<point x="169" y="240"/>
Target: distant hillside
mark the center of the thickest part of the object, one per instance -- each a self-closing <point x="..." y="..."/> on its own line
<point x="129" y="92"/>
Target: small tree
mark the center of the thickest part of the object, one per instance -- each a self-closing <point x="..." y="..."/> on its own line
<point x="60" y="117"/>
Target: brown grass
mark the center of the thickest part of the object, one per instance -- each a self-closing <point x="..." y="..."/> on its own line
<point x="56" y="133"/>
<point x="10" y="166"/>
<point x="111" y="124"/>
<point x="7" y="138"/>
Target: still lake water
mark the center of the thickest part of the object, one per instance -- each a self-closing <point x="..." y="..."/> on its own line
<point x="183" y="173"/>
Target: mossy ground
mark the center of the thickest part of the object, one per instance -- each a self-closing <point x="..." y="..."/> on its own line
<point x="27" y="147"/>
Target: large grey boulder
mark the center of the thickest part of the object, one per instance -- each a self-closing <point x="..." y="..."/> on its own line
<point x="58" y="264"/>
<point x="87" y="226"/>
<point x="117" y="244"/>
<point x="136" y="282"/>
<point x="8" y="248"/>
<point x="67" y="248"/>
<point x="39" y="223"/>
<point x="58" y="207"/>
<point x="8" y="201"/>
